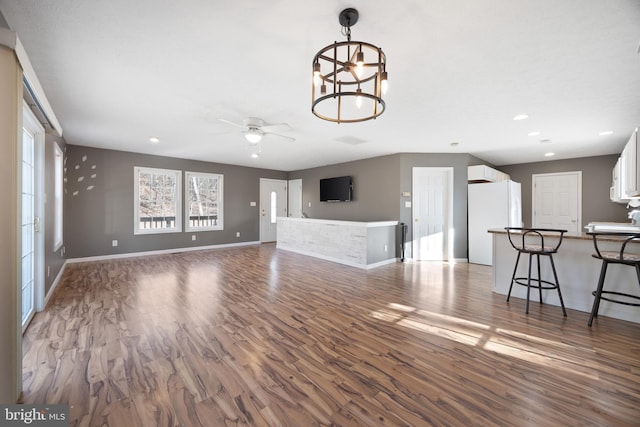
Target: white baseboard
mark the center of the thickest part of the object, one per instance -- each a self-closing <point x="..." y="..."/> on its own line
<point x="54" y="285"/>
<point x="158" y="252"/>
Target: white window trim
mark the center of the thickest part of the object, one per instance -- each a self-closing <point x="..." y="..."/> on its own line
<point x="177" y="228"/>
<point x="220" y="177"/>
<point x="58" y="196"/>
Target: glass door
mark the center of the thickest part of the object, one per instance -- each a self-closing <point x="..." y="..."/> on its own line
<point x="31" y="204"/>
<point x="28" y="227"/>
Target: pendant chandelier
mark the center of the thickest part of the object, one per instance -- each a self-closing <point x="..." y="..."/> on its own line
<point x="349" y="78"/>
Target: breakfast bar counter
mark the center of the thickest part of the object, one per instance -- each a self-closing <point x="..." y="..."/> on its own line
<point x="578" y="273"/>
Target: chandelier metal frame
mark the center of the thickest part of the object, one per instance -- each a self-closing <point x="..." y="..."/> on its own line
<point x="342" y="78"/>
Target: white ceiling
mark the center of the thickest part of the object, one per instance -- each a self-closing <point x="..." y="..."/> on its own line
<point x="118" y="72"/>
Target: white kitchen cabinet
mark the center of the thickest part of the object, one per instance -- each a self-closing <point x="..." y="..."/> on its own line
<point x="616" y="193"/>
<point x="483" y="173"/>
<point x="630" y="166"/>
<point x="625" y="183"/>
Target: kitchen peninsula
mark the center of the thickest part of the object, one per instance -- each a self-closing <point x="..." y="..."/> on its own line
<point x="578" y="274"/>
<point x="358" y="244"/>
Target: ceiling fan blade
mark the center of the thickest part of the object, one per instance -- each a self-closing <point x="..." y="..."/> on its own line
<point x="280" y="136"/>
<point x="231" y="123"/>
<point x="276" y="127"/>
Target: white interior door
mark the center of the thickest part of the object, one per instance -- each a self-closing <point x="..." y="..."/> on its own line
<point x="31" y="233"/>
<point x="295" y="198"/>
<point x="557" y="201"/>
<point x="273" y="203"/>
<point x="432" y="213"/>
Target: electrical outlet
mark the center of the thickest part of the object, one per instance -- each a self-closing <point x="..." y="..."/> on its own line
<point x="237" y="234"/>
<point x="252" y="204"/>
<point x="114" y="243"/>
<point x="193" y="237"/>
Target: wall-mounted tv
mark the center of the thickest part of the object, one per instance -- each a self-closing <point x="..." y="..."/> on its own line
<point x="337" y="189"/>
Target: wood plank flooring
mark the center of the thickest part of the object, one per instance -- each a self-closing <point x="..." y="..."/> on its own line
<point x="263" y="337"/>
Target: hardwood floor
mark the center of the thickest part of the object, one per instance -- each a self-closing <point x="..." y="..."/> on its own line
<point x="258" y="336"/>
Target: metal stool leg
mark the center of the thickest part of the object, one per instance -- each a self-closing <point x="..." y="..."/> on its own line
<point x="528" y="284"/>
<point x="539" y="279"/>
<point x="513" y="276"/>
<point x="598" y="293"/>
<point x="555" y="275"/>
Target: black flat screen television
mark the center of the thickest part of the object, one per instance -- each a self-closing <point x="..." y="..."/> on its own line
<point x="336" y="189"/>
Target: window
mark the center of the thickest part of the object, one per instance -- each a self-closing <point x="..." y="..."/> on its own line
<point x="58" y="178"/>
<point x="203" y="201"/>
<point x="157" y="201"/>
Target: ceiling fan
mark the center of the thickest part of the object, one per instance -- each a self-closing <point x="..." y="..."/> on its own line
<point x="254" y="129"/>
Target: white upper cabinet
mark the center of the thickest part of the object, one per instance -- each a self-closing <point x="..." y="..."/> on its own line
<point x="625" y="175"/>
<point x="483" y="173"/>
<point x="630" y="167"/>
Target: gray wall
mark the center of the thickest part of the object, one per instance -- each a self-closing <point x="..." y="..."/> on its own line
<point x="53" y="260"/>
<point x="460" y="164"/>
<point x="596" y="180"/>
<point x="376" y="187"/>
<point x="93" y="218"/>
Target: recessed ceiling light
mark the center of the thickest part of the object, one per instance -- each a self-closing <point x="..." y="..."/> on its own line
<point x="154" y="139"/>
<point x="254" y="155"/>
<point x="520" y="117"/>
<point x="606" y="132"/>
<point x="534" y="133"/>
<point x="549" y="154"/>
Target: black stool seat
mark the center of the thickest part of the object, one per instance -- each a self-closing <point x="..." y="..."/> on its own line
<point x="532" y="241"/>
<point x="623" y="257"/>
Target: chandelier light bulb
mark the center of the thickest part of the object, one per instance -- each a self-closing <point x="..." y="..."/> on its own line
<point x="359" y="98"/>
<point x="360" y="64"/>
<point x="384" y="83"/>
<point x="316" y="74"/>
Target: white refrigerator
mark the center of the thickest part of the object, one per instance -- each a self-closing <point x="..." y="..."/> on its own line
<point x="491" y="205"/>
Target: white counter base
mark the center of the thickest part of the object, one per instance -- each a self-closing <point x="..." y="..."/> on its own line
<point x="357" y="244"/>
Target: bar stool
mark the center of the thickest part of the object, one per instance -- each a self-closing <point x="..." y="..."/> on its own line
<point x="614" y="257"/>
<point x="532" y="241"/>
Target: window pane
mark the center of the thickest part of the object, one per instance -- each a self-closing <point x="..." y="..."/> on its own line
<point x="274" y="207"/>
<point x="58" y="197"/>
<point x="204" y="201"/>
<point x="158" y="202"/>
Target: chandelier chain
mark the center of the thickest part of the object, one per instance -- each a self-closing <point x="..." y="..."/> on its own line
<point x="346" y="31"/>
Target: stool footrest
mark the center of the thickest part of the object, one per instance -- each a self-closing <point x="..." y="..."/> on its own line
<point x="617" y="301"/>
<point x="522" y="281"/>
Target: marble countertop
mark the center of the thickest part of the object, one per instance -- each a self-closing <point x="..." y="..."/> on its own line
<point x="340" y="222"/>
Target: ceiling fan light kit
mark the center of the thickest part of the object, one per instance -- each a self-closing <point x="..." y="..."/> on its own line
<point x="254" y="129"/>
<point x="349" y="78"/>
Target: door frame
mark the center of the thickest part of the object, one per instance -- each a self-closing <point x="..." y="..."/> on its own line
<point x="448" y="241"/>
<point x="30" y="121"/>
<point x="578" y="191"/>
